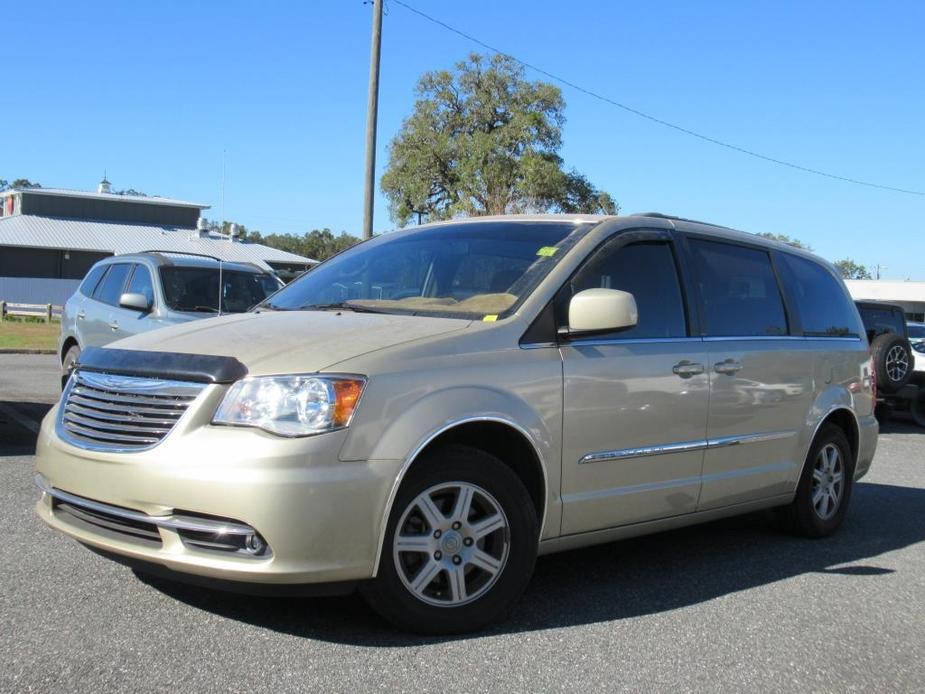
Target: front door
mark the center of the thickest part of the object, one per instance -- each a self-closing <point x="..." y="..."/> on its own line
<point x="101" y="323"/>
<point x="635" y="401"/>
<point x="761" y="377"/>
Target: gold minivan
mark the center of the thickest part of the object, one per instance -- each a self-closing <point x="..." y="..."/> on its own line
<point x="422" y="415"/>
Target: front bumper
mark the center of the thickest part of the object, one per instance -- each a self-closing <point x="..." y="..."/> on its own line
<point x="320" y="516"/>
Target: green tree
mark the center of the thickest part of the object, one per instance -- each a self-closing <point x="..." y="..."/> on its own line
<point x="851" y="270"/>
<point x="18" y="183"/>
<point x="318" y="244"/>
<point x="783" y="238"/>
<point x="24" y="183"/>
<point x="484" y="140"/>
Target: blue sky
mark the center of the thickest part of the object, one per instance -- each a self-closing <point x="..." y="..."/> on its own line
<point x="154" y="92"/>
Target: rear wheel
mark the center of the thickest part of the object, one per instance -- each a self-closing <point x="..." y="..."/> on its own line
<point x="67" y="364"/>
<point x="460" y="544"/>
<point x="825" y="486"/>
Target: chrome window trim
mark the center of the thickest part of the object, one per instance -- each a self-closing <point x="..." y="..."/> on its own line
<point x="591" y="342"/>
<point x="203" y="525"/>
<point x="684" y="446"/>
<point x="765" y="338"/>
<point x="422" y="444"/>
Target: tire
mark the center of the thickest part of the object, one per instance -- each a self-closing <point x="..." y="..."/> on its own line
<point x="67" y="364"/>
<point x="809" y="518"/>
<point x="893" y="361"/>
<point x="497" y="499"/>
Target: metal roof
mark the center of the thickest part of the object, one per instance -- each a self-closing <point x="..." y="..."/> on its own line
<point x="114" y="237"/>
<point x="65" y="192"/>
<point x="887" y="290"/>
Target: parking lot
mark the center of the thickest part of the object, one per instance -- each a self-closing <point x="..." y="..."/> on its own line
<point x="721" y="607"/>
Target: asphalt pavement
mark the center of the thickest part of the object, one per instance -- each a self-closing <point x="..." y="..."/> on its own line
<point x="729" y="606"/>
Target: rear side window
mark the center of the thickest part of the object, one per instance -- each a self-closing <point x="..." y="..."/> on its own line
<point x="110" y="289"/>
<point x="878" y="321"/>
<point x="141" y="283"/>
<point x="825" y="309"/>
<point x="92" y="279"/>
<point x="739" y="290"/>
<point x="647" y="271"/>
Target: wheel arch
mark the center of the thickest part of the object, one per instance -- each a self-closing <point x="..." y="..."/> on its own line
<point x="845" y="419"/>
<point x="69" y="341"/>
<point x="505" y="439"/>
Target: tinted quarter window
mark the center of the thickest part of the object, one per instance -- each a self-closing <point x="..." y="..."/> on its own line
<point x="141" y="283"/>
<point x="825" y="309"/>
<point x="92" y="279"/>
<point x="648" y="272"/>
<point x="739" y="290"/>
<point x="878" y="321"/>
<point x="110" y="289"/>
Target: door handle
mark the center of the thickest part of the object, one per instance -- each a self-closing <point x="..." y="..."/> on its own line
<point x="686" y="369"/>
<point x="114" y="325"/>
<point x="729" y="366"/>
<point x="81" y="315"/>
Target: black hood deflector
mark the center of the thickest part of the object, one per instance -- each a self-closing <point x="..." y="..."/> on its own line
<point x="200" y="368"/>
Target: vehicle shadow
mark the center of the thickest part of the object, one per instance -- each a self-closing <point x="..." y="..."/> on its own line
<point x="624" y="579"/>
<point x="17" y="421"/>
<point x="901" y="423"/>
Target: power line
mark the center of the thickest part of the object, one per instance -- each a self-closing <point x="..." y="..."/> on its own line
<point x="642" y="114"/>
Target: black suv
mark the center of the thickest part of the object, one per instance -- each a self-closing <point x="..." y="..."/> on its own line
<point x="897" y="388"/>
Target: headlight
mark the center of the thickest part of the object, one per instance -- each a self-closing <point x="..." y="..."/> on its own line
<point x="291" y="405"/>
<point x="919" y="347"/>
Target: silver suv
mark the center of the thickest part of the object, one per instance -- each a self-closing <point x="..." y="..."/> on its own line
<point x="425" y="413"/>
<point x="129" y="294"/>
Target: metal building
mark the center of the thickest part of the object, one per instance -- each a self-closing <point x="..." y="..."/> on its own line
<point x="909" y="295"/>
<point x="50" y="237"/>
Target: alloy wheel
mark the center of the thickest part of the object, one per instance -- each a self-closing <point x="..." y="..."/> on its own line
<point x="828" y="481"/>
<point x="451" y="544"/>
<point x="897" y="363"/>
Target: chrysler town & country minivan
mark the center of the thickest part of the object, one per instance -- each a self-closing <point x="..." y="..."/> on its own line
<point x="422" y="415"/>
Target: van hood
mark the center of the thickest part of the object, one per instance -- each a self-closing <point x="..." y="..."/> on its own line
<point x="282" y="342"/>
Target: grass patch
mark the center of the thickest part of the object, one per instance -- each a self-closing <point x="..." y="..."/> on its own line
<point x="18" y="334"/>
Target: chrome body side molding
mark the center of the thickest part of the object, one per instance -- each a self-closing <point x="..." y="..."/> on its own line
<point x="684" y="446"/>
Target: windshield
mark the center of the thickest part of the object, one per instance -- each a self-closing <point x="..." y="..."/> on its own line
<point x="916" y="330"/>
<point x="468" y="270"/>
<point x="196" y="289"/>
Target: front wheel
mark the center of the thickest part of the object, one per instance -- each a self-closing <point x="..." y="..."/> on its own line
<point x="460" y="545"/>
<point x="67" y="364"/>
<point x="824" y="490"/>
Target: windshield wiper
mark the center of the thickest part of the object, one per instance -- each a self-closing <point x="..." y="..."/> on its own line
<point x="341" y="305"/>
<point x="198" y="309"/>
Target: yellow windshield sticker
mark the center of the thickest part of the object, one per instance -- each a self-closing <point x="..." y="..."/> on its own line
<point x="547" y="251"/>
<point x="491" y="318"/>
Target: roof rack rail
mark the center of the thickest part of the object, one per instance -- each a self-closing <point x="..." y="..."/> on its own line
<point x="198" y="255"/>
<point x="661" y="215"/>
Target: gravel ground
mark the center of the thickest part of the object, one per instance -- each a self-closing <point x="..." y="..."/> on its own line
<point x="728" y="606"/>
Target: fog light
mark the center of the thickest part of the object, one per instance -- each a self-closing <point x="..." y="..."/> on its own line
<point x="254" y="544"/>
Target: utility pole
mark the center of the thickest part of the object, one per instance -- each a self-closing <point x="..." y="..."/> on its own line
<point x="372" y="112"/>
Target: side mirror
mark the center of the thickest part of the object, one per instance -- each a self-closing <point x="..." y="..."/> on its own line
<point x="601" y="310"/>
<point x="136" y="302"/>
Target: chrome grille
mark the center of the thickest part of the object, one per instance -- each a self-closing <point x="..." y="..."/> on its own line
<point x="109" y="412"/>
